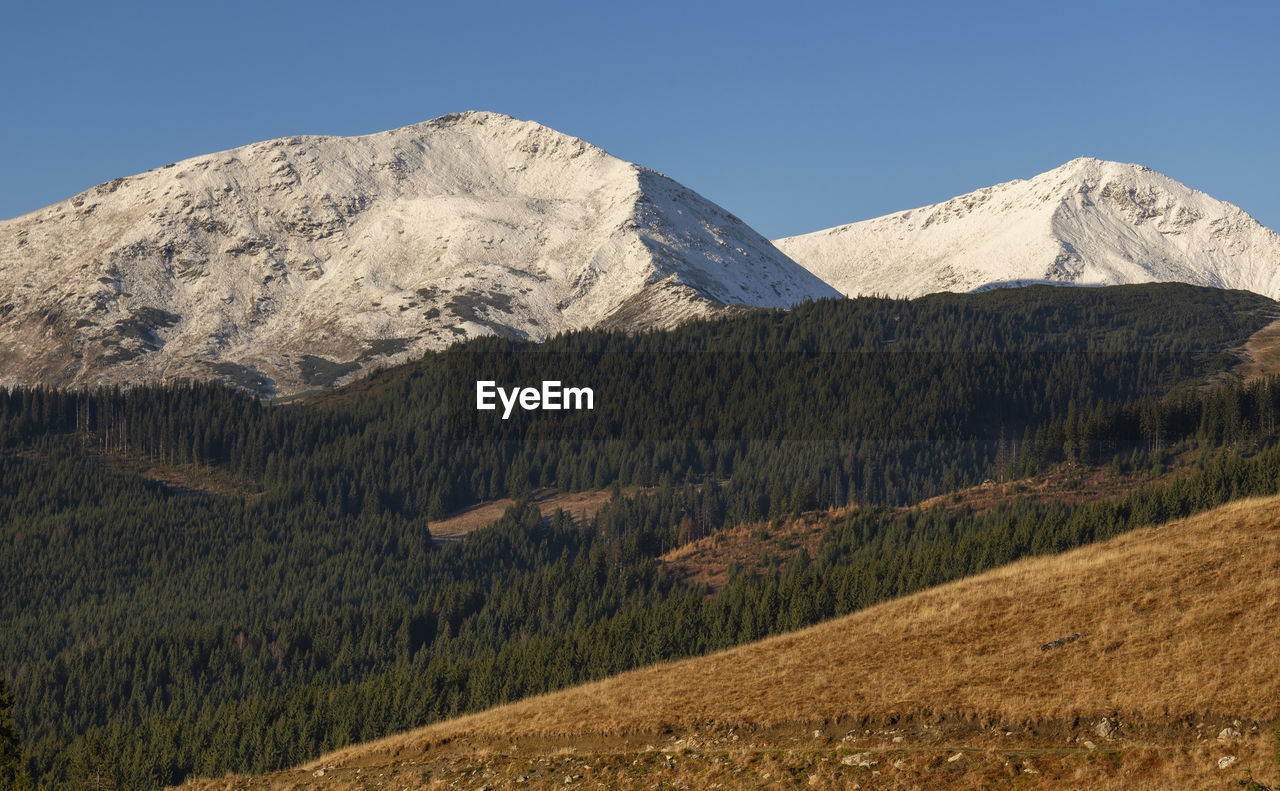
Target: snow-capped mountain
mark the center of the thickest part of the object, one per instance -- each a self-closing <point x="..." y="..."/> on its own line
<point x="1087" y="222"/>
<point x="298" y="262"/>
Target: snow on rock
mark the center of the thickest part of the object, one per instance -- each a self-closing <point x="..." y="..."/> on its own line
<point x="300" y="262"/>
<point x="1088" y="222"/>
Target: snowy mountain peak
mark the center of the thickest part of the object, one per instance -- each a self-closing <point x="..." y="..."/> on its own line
<point x="1089" y="221"/>
<point x="298" y="262"/>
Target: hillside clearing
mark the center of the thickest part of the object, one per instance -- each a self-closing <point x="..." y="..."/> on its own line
<point x="582" y="505"/>
<point x="1176" y="649"/>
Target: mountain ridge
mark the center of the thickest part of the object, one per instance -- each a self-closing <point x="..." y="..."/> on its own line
<point x="1087" y="222"/>
<point x="298" y="262"/>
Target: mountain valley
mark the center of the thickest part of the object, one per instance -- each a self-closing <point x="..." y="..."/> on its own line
<point x="257" y="534"/>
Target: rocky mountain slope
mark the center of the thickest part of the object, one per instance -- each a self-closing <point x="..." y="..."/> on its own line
<point x="294" y="263"/>
<point x="1088" y="222"/>
<point x="1098" y="668"/>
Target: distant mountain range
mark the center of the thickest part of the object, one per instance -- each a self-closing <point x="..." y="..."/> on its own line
<point x="299" y="263"/>
<point x="1088" y="222"/>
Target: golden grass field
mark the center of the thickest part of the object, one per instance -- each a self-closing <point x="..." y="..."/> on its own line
<point x="1262" y="353"/>
<point x="1179" y="639"/>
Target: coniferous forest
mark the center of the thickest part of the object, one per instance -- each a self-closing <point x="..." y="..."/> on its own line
<point x="295" y="601"/>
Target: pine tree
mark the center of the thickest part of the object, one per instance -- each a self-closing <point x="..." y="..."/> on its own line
<point x="13" y="775"/>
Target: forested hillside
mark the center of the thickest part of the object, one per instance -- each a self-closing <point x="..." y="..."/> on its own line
<point x="916" y="395"/>
<point x="1095" y="669"/>
<point x="154" y="631"/>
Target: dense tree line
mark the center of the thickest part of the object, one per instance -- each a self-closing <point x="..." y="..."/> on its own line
<point x="907" y="398"/>
<point x="533" y="634"/>
<point x="151" y="631"/>
<point x="13" y="775"/>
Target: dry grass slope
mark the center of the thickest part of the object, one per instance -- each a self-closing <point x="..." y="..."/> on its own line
<point x="1177" y="630"/>
<point x="1262" y="353"/>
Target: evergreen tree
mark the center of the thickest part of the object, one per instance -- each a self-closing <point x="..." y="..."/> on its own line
<point x="13" y="775"/>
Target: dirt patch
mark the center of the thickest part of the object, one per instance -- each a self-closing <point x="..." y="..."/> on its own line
<point x="199" y="478"/>
<point x="186" y="478"/>
<point x="582" y="505"/>
<point x="1066" y="484"/>
<point x="764" y="546"/>
<point x="757" y="546"/>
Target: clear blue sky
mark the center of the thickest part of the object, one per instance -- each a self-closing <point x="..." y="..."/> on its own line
<point x="793" y="117"/>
